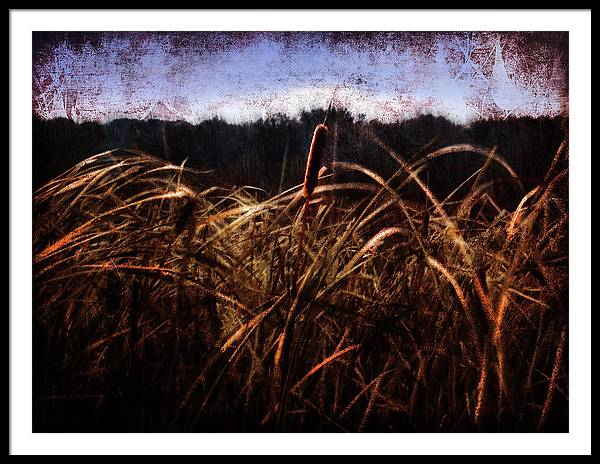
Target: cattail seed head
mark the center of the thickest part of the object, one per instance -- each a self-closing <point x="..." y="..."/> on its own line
<point x="313" y="163"/>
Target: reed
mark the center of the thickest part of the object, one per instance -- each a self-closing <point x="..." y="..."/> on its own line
<point x="367" y="310"/>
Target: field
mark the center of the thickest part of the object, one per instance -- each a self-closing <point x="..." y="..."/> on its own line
<point x="375" y="303"/>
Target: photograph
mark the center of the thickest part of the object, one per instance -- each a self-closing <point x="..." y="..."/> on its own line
<point x="300" y="232"/>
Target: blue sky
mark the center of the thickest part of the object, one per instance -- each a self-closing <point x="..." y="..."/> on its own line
<point x="246" y="76"/>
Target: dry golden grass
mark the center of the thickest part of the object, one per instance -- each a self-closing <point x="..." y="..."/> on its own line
<point x="186" y="306"/>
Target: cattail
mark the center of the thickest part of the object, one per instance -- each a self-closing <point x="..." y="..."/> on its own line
<point x="315" y="156"/>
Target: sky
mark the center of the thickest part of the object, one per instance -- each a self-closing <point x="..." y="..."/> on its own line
<point x="245" y="76"/>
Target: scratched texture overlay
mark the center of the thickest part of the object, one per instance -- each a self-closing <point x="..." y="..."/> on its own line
<point x="101" y="76"/>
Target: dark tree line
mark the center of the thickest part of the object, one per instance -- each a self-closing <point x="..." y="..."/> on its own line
<point x="271" y="153"/>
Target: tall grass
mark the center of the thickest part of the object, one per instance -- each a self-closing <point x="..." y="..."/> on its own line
<point x="163" y="303"/>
